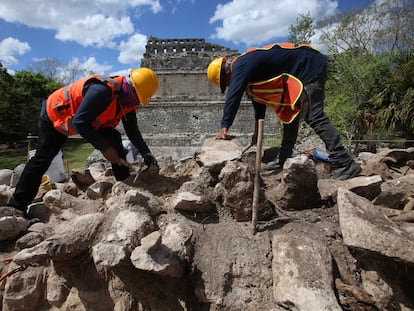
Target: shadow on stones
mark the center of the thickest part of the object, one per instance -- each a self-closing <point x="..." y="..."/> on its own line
<point x="158" y="185"/>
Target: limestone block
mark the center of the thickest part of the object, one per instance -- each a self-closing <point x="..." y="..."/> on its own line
<point x="188" y="201"/>
<point x="11" y="227"/>
<point x="5" y="176"/>
<point x="365" y="227"/>
<point x="302" y="273"/>
<point x="366" y="186"/>
<point x="216" y="151"/>
<point x="298" y="188"/>
<point x="23" y="290"/>
<point x="71" y="239"/>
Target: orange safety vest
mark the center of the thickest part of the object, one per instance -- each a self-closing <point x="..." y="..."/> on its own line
<point x="61" y="105"/>
<point x="281" y="93"/>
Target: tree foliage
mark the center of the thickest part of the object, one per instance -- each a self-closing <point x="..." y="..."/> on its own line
<point x="371" y="69"/>
<point x="21" y="103"/>
<point x="394" y="103"/>
<point x="302" y="31"/>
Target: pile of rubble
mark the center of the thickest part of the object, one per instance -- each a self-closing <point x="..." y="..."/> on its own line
<point x="182" y="239"/>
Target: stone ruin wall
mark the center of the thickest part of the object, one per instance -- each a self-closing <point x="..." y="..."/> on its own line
<point x="181" y="66"/>
<point x="187" y="108"/>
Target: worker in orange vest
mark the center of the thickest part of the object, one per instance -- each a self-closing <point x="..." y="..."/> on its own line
<point x="290" y="79"/>
<point x="91" y="107"/>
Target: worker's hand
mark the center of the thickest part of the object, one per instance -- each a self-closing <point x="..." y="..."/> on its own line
<point x="223" y="134"/>
<point x="112" y="156"/>
<point x="149" y="160"/>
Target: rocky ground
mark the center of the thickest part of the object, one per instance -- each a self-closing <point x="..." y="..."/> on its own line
<point x="184" y="239"/>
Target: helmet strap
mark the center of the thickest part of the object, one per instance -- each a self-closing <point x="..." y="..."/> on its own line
<point x="132" y="91"/>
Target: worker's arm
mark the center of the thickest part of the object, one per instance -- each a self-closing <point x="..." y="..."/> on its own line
<point x="96" y="98"/>
<point x="234" y="95"/>
<point x="231" y="106"/>
<point x="129" y="121"/>
<point x="241" y="74"/>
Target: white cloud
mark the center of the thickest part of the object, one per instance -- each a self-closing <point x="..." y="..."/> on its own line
<point x="91" y="65"/>
<point x="131" y="51"/>
<point x="244" y="21"/>
<point x="96" y="22"/>
<point x="78" y="68"/>
<point x="104" y="30"/>
<point x="10" y="47"/>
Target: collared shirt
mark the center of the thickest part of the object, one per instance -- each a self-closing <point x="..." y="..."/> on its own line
<point x="304" y="63"/>
<point x="96" y="98"/>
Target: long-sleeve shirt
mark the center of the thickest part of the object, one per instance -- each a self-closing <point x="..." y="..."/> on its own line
<point x="96" y="98"/>
<point x="304" y="63"/>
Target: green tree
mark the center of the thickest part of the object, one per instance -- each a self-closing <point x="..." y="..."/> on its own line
<point x="303" y="30"/>
<point x="378" y="28"/>
<point x="365" y="73"/>
<point x="394" y="103"/>
<point x="6" y="82"/>
<point x="20" y="114"/>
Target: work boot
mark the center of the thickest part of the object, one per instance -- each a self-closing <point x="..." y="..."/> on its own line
<point x="16" y="205"/>
<point x="271" y="166"/>
<point x="347" y="172"/>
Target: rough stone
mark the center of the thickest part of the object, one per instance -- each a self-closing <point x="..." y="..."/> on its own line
<point x="296" y="283"/>
<point x="98" y="190"/>
<point x="167" y="255"/>
<point x="72" y="239"/>
<point x="365" y="227"/>
<point x="299" y="186"/>
<point x="188" y="201"/>
<point x="395" y="192"/>
<point x="217" y="151"/>
<point x="22" y="292"/>
<point x="366" y="186"/>
<point x="126" y="230"/>
<point x="11" y="227"/>
<point x="86" y="250"/>
<point x="5" y="176"/>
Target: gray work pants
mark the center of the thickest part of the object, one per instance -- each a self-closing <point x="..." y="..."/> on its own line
<point x="312" y="110"/>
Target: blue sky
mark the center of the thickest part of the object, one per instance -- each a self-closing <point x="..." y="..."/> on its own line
<point x="109" y="36"/>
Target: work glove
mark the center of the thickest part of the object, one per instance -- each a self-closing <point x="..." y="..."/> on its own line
<point x="152" y="164"/>
<point x="149" y="160"/>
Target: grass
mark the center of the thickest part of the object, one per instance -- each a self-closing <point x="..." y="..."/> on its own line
<point x="75" y="152"/>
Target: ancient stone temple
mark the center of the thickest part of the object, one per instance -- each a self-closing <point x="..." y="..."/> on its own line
<point x="187" y="108"/>
<point x="181" y="66"/>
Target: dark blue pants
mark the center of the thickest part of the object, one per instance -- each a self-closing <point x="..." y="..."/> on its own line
<point x="50" y="142"/>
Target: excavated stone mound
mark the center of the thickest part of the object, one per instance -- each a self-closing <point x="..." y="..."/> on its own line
<point x="183" y="239"/>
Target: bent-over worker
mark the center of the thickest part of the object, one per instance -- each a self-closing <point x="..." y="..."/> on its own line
<point x="91" y="107"/>
<point x="290" y="79"/>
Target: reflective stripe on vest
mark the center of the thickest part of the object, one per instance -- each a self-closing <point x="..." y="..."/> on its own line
<point x="116" y="85"/>
<point x="280" y="93"/>
<point x="64" y="102"/>
<point x="285" y="45"/>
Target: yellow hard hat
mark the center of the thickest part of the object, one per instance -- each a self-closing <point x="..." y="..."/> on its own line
<point x="214" y="72"/>
<point x="145" y="83"/>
